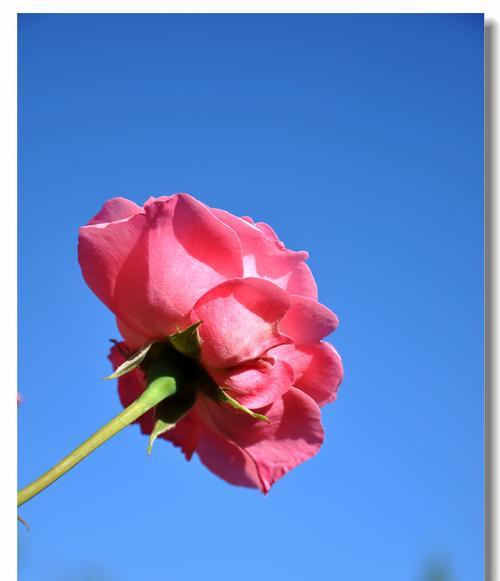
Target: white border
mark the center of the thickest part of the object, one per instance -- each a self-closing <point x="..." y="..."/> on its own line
<point x="8" y="229"/>
<point x="492" y="259"/>
<point x="8" y="290"/>
<point x="245" y="6"/>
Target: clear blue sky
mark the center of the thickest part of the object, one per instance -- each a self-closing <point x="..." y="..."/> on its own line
<point x="359" y="139"/>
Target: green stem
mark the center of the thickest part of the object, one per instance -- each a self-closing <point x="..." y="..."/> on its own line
<point x="156" y="392"/>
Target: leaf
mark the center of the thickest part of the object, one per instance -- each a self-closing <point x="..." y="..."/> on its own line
<point x="187" y="342"/>
<point x="169" y="411"/>
<point x="218" y="394"/>
<point x="129" y="365"/>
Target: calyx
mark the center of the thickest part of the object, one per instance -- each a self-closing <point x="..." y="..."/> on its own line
<point x="174" y="366"/>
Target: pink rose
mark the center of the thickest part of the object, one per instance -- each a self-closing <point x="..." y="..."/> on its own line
<point x="175" y="262"/>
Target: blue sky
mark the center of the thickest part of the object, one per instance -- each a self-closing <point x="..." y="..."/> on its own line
<point x="359" y="138"/>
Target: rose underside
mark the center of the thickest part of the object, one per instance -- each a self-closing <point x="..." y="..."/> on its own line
<point x="175" y="262"/>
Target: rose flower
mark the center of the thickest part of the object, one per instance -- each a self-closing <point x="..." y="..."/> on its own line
<point x="175" y="262"/>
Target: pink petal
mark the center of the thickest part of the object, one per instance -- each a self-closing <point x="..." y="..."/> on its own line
<point x="151" y="268"/>
<point x="103" y="250"/>
<point x="265" y="256"/>
<point x="185" y="434"/>
<point x="240" y="321"/>
<point x="294" y="435"/>
<point x="134" y="339"/>
<point x="269" y="233"/>
<point x="301" y="282"/>
<point x="307" y="321"/>
<point x="298" y="359"/>
<point x="152" y="200"/>
<point x="318" y="369"/>
<point x="115" y="209"/>
<point x="227" y="460"/>
<point x="255" y="384"/>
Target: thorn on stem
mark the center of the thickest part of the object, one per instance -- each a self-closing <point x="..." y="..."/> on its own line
<point x="20" y="519"/>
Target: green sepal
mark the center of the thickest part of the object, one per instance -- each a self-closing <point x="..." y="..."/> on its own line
<point x="131" y="363"/>
<point x="225" y="398"/>
<point x="169" y="411"/>
<point x="218" y="394"/>
<point x="187" y="342"/>
<point x="160" y="427"/>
